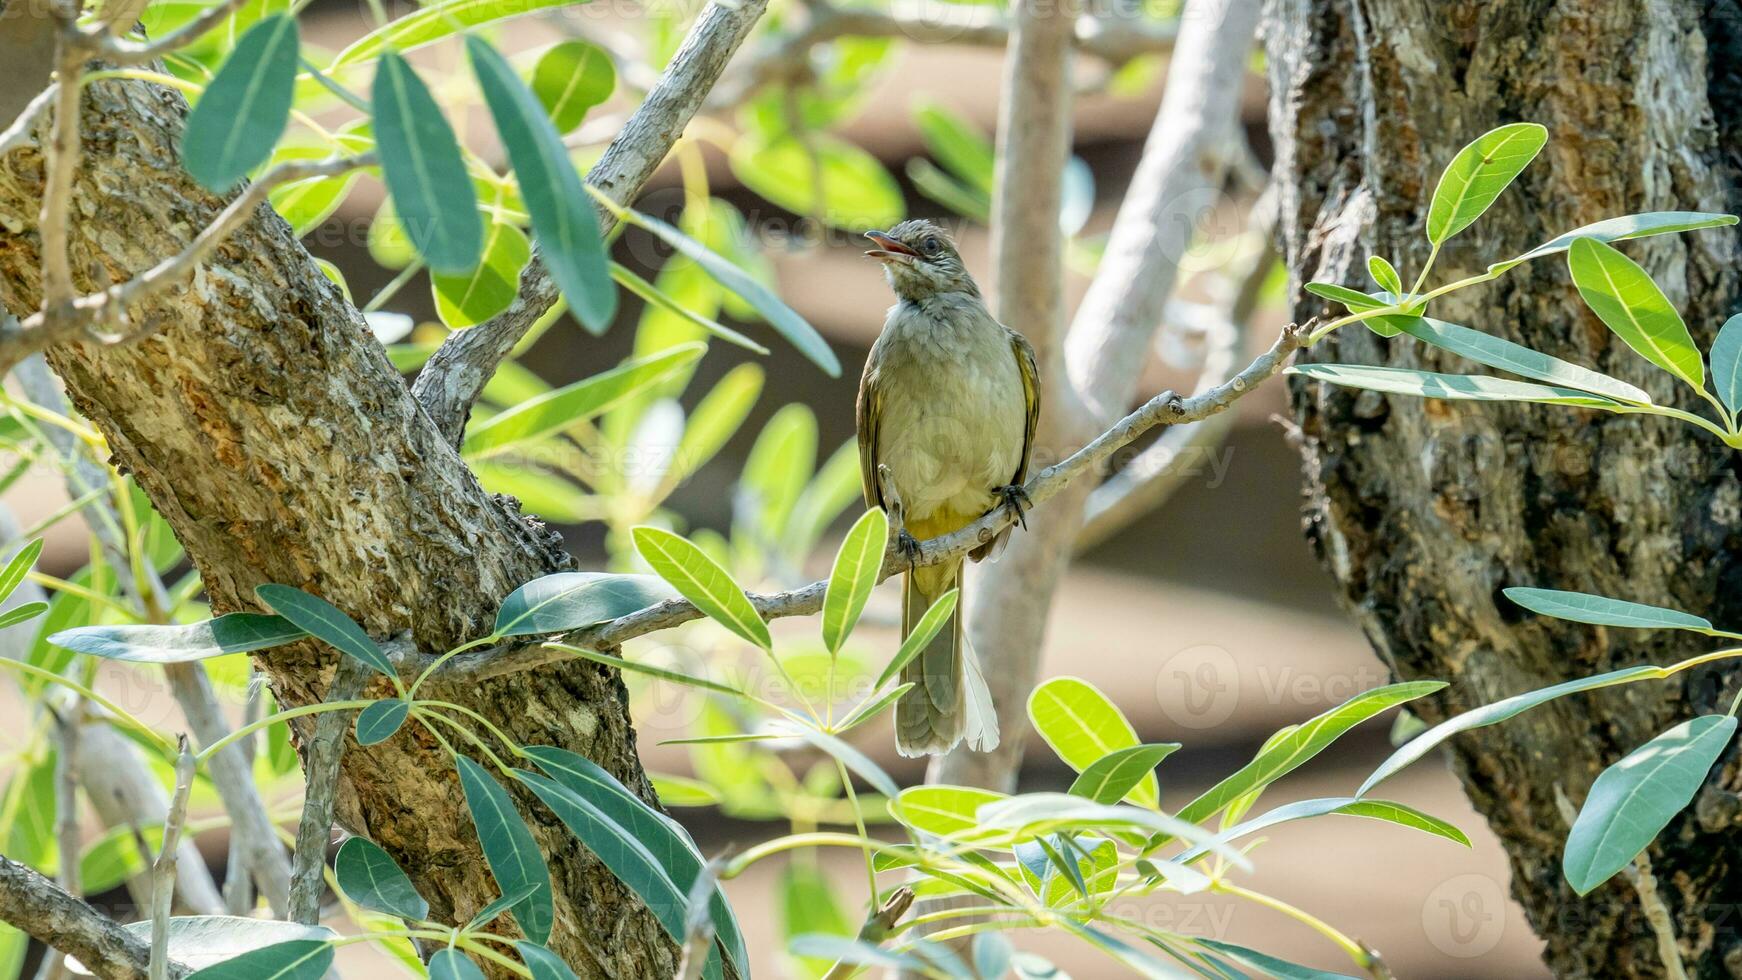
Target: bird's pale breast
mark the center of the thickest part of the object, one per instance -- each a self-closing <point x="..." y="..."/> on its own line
<point x="952" y="425"/>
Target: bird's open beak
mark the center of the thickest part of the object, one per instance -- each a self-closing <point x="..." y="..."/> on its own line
<point x="888" y="249"/>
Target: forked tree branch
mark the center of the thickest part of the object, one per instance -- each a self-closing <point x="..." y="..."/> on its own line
<point x="1166" y="408"/>
<point x="456" y="374"/>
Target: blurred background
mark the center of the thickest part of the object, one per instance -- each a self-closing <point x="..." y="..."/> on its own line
<point x="1206" y="620"/>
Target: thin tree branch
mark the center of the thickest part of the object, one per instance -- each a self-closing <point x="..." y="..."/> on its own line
<point x="239" y="894"/>
<point x="46" y="913"/>
<point x="452" y="379"/>
<point x="321" y="769"/>
<point x="66" y="817"/>
<point x="123" y="52"/>
<point x="163" y="872"/>
<point x="1166" y="408"/>
<point x="61" y="162"/>
<point x="62" y="321"/>
<point x="18" y="134"/>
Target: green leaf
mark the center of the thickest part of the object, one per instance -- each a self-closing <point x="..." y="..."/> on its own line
<point x="1307" y="740"/>
<point x="1622" y="229"/>
<point x="509" y="848"/>
<point x="1405" y="816"/>
<point x="1497" y="712"/>
<point x="323" y="620"/>
<point x="943" y="810"/>
<point x="857" y="563"/>
<point x="957" y="144"/>
<point x="18" y="567"/>
<point x="1582" y="607"/>
<point x="927" y="627"/>
<point x="784" y="319"/>
<point x="451" y="964"/>
<point x="719" y="415"/>
<point x="1124" y="773"/>
<point x="871" y="708"/>
<point x="1035" y="814"/>
<point x="631" y="862"/>
<point x="1266" y="964"/>
<point x="676" y="791"/>
<point x="1477" y="175"/>
<point x="380" y="721"/>
<point x="636" y="667"/>
<point x="1492" y="351"/>
<point x="433" y="22"/>
<point x="808" y="907"/>
<point x="235" y="124"/>
<point x="662" y="836"/>
<point x="856" y="191"/>
<point x="22" y="613"/>
<point x="1455" y="387"/>
<point x="826" y="949"/>
<point x="1634" y="799"/>
<point x="501" y="904"/>
<point x="571" y="78"/>
<point x="1726" y="360"/>
<point x="563" y="219"/>
<point x="544" y="964"/>
<point x="420" y="160"/>
<point x="577" y="402"/>
<point x="370" y="877"/>
<point x="299" y="959"/>
<point x="232" y="633"/>
<point x="703" y="582"/>
<point x="470" y="298"/>
<point x="1083" y="726"/>
<point x="573" y="600"/>
<point x="1626" y="299"/>
<point x="1354" y="299"/>
<point x="1384" y="274"/>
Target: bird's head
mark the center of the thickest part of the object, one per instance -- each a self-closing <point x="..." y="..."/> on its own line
<point x="920" y="260"/>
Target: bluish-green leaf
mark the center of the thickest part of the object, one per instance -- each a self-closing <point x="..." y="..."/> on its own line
<point x="1308" y="739"/>
<point x="420" y="159"/>
<point x="563" y="219"/>
<point x="206" y="941"/>
<point x="1266" y="964"/>
<point x="544" y="964"/>
<point x="509" y="849"/>
<point x="702" y="581"/>
<point x="1582" y="607"/>
<point x="1497" y="712"/>
<point x="236" y="123"/>
<point x="379" y="721"/>
<point x="1406" y="816"/>
<point x="1624" y="297"/>
<point x="662" y="836"/>
<point x="824" y="948"/>
<point x="500" y="904"/>
<point x="1386" y="810"/>
<point x="849" y="756"/>
<point x="451" y="964"/>
<point x="299" y="959"/>
<point x="1634" y="799"/>
<point x="1124" y="773"/>
<point x="370" y="877"/>
<point x="323" y="620"/>
<point x="571" y="78"/>
<point x="573" y="600"/>
<point x="1478" y="174"/>
<point x="577" y="402"/>
<point x="1620" y="229"/>
<point x="857" y="563"/>
<point x="1454" y="387"/>
<point x="233" y="633"/>
<point x="1492" y="351"/>
<point x="1083" y="726"/>
<point x="783" y="318"/>
<point x="1726" y="360"/>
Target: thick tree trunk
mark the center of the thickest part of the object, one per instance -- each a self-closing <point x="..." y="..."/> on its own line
<point x="266" y="424"/>
<point x="1424" y="510"/>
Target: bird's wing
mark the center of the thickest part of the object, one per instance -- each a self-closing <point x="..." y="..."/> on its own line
<point x="1031" y="397"/>
<point x="868" y="414"/>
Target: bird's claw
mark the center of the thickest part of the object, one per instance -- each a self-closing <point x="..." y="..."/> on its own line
<point x="908" y="546"/>
<point x="1014" y="498"/>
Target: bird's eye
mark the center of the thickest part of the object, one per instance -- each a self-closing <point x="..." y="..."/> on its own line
<point x="930" y="245"/>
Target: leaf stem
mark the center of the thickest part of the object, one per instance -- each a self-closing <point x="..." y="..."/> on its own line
<point x="285" y="715"/>
<point x="1357" y="953"/>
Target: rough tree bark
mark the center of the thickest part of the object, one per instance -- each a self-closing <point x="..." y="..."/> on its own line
<point x="268" y="427"/>
<point x="1424" y="510"/>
